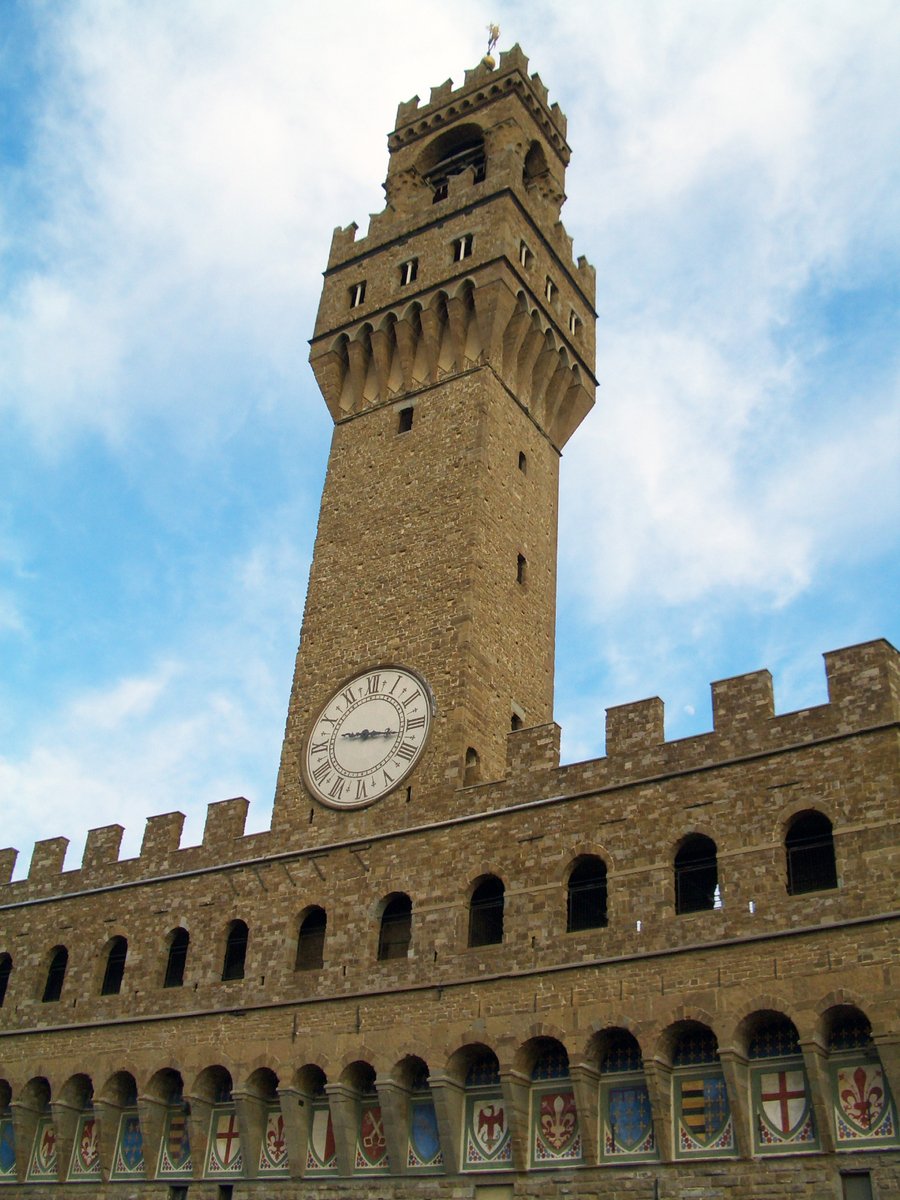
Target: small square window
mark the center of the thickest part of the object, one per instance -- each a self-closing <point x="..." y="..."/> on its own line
<point x="526" y="258"/>
<point x="462" y="247"/>
<point x="408" y="272"/>
<point x="357" y="294"/>
<point x="405" y="420"/>
<point x="550" y="290"/>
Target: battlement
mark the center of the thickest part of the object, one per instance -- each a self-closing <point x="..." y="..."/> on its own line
<point x="480" y="84"/>
<point x="863" y="689"/>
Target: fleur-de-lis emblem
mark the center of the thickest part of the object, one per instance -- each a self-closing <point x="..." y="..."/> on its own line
<point x="557" y="1120"/>
<point x="863" y="1101"/>
<point x="275" y="1137"/>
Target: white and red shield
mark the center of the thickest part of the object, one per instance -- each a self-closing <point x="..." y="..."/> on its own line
<point x="273" y="1155"/>
<point x="558" y="1119"/>
<point x="784" y="1100"/>
<point x="228" y="1139"/>
<point x="489" y="1126"/>
<point x="862" y="1096"/>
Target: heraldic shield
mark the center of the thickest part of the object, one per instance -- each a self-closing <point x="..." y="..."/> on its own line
<point x="175" y="1152"/>
<point x="628" y="1122"/>
<point x="784" y="1113"/>
<point x="321" y="1153"/>
<point x="704" y="1116"/>
<point x="129" y="1157"/>
<point x="225" y="1157"/>
<point x="864" y="1110"/>
<point x="85" y="1160"/>
<point x="42" y="1164"/>
<point x="371" y="1147"/>
<point x="487" y="1144"/>
<point x="273" y="1156"/>
<point x="424" y="1149"/>
<point x="7" y="1148"/>
<point x="555" y="1127"/>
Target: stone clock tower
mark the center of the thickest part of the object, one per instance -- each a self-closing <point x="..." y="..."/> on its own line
<point x="454" y="347"/>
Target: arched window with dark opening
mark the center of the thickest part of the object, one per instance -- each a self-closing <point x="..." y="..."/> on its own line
<point x="235" y="951"/>
<point x="809" y="846"/>
<point x="486" y="912"/>
<point x="696" y="875"/>
<point x="311" y="940"/>
<point x="56" y="974"/>
<point x="586" y="907"/>
<point x="115" y="967"/>
<point x="462" y="149"/>
<point x="179" y="940"/>
<point x="396" y="927"/>
<point x="5" y="972"/>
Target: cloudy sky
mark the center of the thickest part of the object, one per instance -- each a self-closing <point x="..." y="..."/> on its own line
<point x="170" y="174"/>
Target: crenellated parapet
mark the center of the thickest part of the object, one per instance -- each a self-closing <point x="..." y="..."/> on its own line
<point x="864" y="696"/>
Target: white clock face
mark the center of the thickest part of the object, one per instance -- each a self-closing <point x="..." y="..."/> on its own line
<point x="368" y="737"/>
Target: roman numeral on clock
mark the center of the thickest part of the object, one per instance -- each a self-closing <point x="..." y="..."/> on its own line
<point x="415" y="723"/>
<point x="406" y="751"/>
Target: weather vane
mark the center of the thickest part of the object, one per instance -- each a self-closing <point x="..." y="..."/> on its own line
<point x="493" y="39"/>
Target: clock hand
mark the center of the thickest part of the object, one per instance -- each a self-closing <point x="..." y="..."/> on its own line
<point x="365" y="734"/>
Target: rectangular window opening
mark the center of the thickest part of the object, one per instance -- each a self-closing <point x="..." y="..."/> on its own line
<point x="526" y="258"/>
<point x="405" y="420"/>
<point x="550" y="290"/>
<point x="357" y="293"/>
<point x="857" y="1185"/>
<point x="574" y="323"/>
<point x="462" y="247"/>
<point x="408" y="272"/>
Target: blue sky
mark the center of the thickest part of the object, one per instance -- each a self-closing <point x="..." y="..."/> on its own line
<point x="170" y="174"/>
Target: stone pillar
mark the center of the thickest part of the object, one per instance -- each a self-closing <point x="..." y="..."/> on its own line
<point x="152" y="1114"/>
<point x="65" y="1121"/>
<point x="198" y="1124"/>
<point x="586" y="1086"/>
<point x="659" y="1087"/>
<point x="737" y="1082"/>
<point x="108" y="1116"/>
<point x="815" y="1059"/>
<point x="449" y="1097"/>
<point x="344" y="1103"/>
<point x="888" y="1046"/>
<point x="296" y="1110"/>
<point x="394" y="1101"/>
<point x="25" y="1120"/>
<point x="516" y="1089"/>
<point x="251" y="1112"/>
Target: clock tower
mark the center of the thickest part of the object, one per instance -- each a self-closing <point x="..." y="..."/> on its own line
<point x="454" y="347"/>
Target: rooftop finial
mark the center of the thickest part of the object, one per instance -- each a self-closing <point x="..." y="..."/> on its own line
<point x="493" y="39"/>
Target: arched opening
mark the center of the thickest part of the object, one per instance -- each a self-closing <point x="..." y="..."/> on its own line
<point x="451" y="154"/>
<point x="396" y="927"/>
<point x="115" y="967"/>
<point x="472" y="771"/>
<point x="696" y="875"/>
<point x="56" y="974"/>
<point x="486" y="912"/>
<point x="535" y="163"/>
<point x="586" y="901"/>
<point x="235" y="951"/>
<point x="809" y="847"/>
<point x="311" y="940"/>
<point x="179" y="940"/>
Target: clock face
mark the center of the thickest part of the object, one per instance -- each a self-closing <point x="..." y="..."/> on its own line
<point x="368" y="737"/>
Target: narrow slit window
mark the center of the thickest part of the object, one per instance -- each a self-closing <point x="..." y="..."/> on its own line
<point x="574" y="323"/>
<point x="5" y="972"/>
<point x="462" y="247"/>
<point x="179" y="939"/>
<point x="523" y="462"/>
<point x="550" y="290"/>
<point x="235" y="951"/>
<point x="526" y="258"/>
<point x="408" y="272"/>
<point x="56" y="974"/>
<point x="521" y="568"/>
<point x="357" y="293"/>
<point x="405" y="420"/>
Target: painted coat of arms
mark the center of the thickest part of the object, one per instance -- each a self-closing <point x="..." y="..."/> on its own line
<point x="424" y="1143"/>
<point x="129" y="1156"/>
<point x="7" y="1148"/>
<point x="85" y="1160"/>
<point x="628" y="1121"/>
<point x="863" y="1106"/>
<point x="175" y="1151"/>
<point x="43" y="1155"/>
<point x="225" y="1156"/>
<point x="487" y="1134"/>
<point x="704" y="1124"/>
<point x="371" y="1148"/>
<point x="321" y="1155"/>
<point x="273" y="1156"/>
<point x="556" y="1127"/>
<point x="784" y="1114"/>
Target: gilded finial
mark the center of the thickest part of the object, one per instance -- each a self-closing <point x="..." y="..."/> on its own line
<point x="493" y="39"/>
